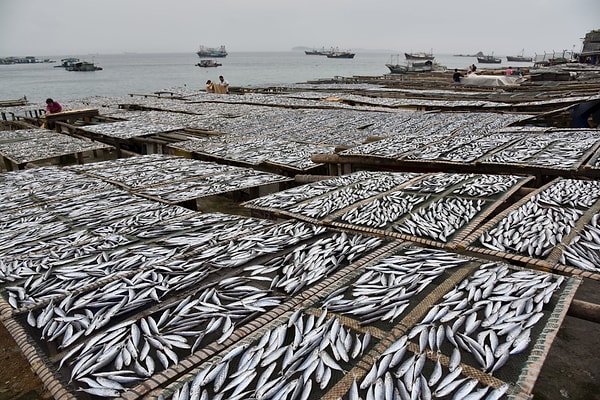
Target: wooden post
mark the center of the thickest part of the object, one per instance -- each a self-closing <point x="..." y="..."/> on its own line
<point x="584" y="310"/>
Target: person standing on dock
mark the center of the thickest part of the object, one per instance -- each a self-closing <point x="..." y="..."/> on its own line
<point x="223" y="84"/>
<point x="52" y="107"/>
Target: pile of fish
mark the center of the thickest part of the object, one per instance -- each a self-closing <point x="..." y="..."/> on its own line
<point x="485" y="320"/>
<point x="403" y="201"/>
<point x="130" y="129"/>
<point x="432" y="135"/>
<point x="177" y="179"/>
<point x="257" y="150"/>
<point x="74" y="276"/>
<point x="309" y="263"/>
<point x="487" y="185"/>
<point x="384" y="291"/>
<point x="436" y="183"/>
<point x="145" y="171"/>
<point x="287" y="138"/>
<point x="582" y="252"/>
<point x="62" y="276"/>
<point x="47" y="146"/>
<point x="225" y="182"/>
<point x="170" y="292"/>
<point x="302" y="359"/>
<point x="395" y="145"/>
<point x="133" y="350"/>
<point x="476" y="141"/>
<point x="442" y="218"/>
<point x="463" y="148"/>
<point x="489" y="315"/>
<point x="170" y="118"/>
<point x="470" y="151"/>
<point x="272" y="240"/>
<point x="401" y="374"/>
<point x="35" y="255"/>
<point x="556" y="149"/>
<point x="346" y="196"/>
<point x="23" y="134"/>
<point x="288" y="198"/>
<point x="383" y="210"/>
<point x="539" y="225"/>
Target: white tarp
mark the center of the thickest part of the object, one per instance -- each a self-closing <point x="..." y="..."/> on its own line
<point x="491" y="80"/>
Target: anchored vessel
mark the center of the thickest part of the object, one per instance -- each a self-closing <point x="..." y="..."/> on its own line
<point x="208" y="63"/>
<point x="422" y="56"/>
<point x="212" y="52"/>
<point x="83" y="66"/>
<point x="315" y="52"/>
<point x="489" y="60"/>
<point x="426" y="66"/>
<point x="340" y="54"/>
<point x="519" y="58"/>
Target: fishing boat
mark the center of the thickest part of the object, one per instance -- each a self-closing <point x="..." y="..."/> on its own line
<point x="489" y="60"/>
<point x="315" y="52"/>
<point x="212" y="52"/>
<point x="67" y="62"/>
<point x="519" y="58"/>
<point x="421" y="56"/>
<point x="411" y="67"/>
<point x="208" y="63"/>
<point x="83" y="66"/>
<point x="340" y="54"/>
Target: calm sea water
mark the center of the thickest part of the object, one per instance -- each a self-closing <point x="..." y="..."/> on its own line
<point x="123" y="74"/>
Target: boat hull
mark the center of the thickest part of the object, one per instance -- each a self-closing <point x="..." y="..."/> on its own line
<point x="340" y="55"/>
<point x="315" y="53"/>
<point x="419" y="56"/>
<point x="489" y="60"/>
<point x="208" y="64"/>
<point x="411" y="68"/>
<point x="519" y="59"/>
<point x="211" y="54"/>
<point x="83" y="67"/>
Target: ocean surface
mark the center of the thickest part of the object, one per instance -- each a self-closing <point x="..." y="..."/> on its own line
<point x="127" y="73"/>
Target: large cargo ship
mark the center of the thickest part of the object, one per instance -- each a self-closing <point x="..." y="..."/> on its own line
<point x="211" y="52"/>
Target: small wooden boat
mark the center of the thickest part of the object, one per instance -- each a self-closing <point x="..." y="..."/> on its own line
<point x="208" y="63"/>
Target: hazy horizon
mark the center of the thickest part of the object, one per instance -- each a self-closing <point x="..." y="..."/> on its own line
<point x="42" y="28"/>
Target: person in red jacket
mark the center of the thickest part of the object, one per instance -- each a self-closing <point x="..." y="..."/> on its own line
<point x="53" y="107"/>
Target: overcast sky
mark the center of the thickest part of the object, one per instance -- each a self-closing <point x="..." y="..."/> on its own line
<point x="63" y="27"/>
